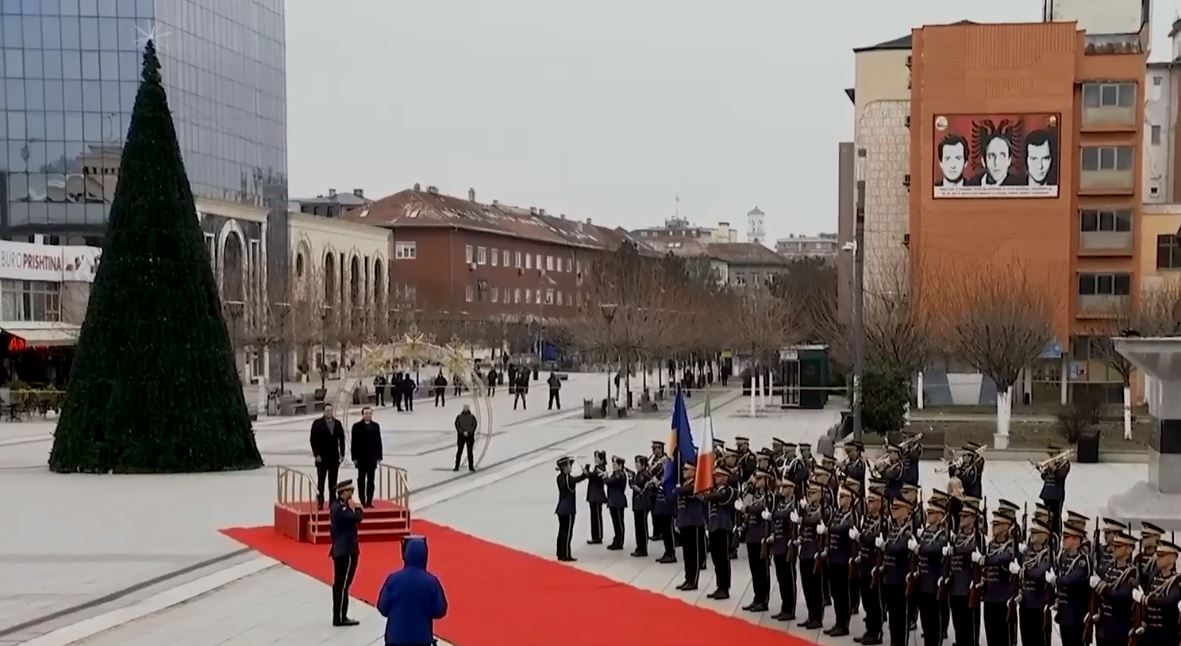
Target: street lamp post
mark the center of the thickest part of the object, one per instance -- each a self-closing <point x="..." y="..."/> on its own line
<point x="608" y="310"/>
<point x="323" y="348"/>
<point x="858" y="330"/>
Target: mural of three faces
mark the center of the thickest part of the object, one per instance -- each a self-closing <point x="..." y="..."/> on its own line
<point x="996" y="156"/>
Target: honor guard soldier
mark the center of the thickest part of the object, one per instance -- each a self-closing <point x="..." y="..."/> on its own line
<point x="1071" y="578"/>
<point x="999" y="581"/>
<point x="966" y="553"/>
<point x="930" y="586"/>
<point x="1079" y="521"/>
<point x="738" y="485"/>
<point x="806" y="457"/>
<point x="910" y="493"/>
<point x="896" y="553"/>
<point x="785" y="549"/>
<point x="841" y="532"/>
<point x="1111" y="593"/>
<point x="616" y="483"/>
<point x="643" y="487"/>
<point x="656" y="464"/>
<point x="1042" y="514"/>
<point x="779" y="454"/>
<point x="892" y="473"/>
<point x="691" y="517"/>
<point x="746" y="459"/>
<point x="757" y="505"/>
<point x="720" y="525"/>
<point x="869" y="564"/>
<point x="1161" y="599"/>
<point x="1105" y="553"/>
<point x="854" y="464"/>
<point x="567" y="507"/>
<point x="912" y="451"/>
<point x="664" y="510"/>
<point x="344" y="516"/>
<point x="1012" y="509"/>
<point x="969" y="470"/>
<point x="1150" y="536"/>
<point x="813" y="525"/>
<point x="1053" y="472"/>
<point x="823" y="476"/>
<point x="596" y="496"/>
<point x="1037" y="595"/>
<point x="798" y="472"/>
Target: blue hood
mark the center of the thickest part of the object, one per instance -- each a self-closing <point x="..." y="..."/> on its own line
<point x="415" y="553"/>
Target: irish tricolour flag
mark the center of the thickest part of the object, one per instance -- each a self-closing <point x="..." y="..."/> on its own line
<point x="704" y="480"/>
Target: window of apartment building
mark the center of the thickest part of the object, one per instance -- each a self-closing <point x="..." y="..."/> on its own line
<point x="1156" y="80"/>
<point x="538" y="296"/>
<point x="529" y="296"/>
<point x="481" y="290"/>
<point x="528" y="261"/>
<point x="504" y="257"/>
<point x="495" y="258"/>
<point x="549" y="263"/>
<point x="1154" y="135"/>
<point x="517" y="259"/>
<point x="481" y="256"/>
<point x="30" y="300"/>
<point x="517" y="295"/>
<point x="1106" y="221"/>
<point x="468" y="293"/>
<point x="578" y="266"/>
<point x="495" y="295"/>
<point x="210" y="246"/>
<point x="539" y="265"/>
<point x="1168" y="252"/>
<point x="1107" y="158"/>
<point x="549" y="297"/>
<point x="559" y="298"/>
<point x="1109" y="95"/>
<point x="1104" y="284"/>
<point x="468" y="254"/>
<point x="405" y="250"/>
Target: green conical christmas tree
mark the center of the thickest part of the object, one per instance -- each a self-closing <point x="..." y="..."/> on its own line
<point x="153" y="386"/>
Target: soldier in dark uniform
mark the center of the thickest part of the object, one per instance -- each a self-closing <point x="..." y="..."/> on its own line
<point x="823" y="476"/>
<point x="892" y="473"/>
<point x="869" y="562"/>
<point x="1150" y="536"/>
<point x="664" y="512"/>
<point x="970" y="470"/>
<point x="691" y="517"/>
<point x="344" y="517"/>
<point x="746" y="459"/>
<point x="999" y="582"/>
<point x="1011" y="509"/>
<point x="841" y="547"/>
<point x="930" y="587"/>
<point x="785" y="549"/>
<point x="1113" y="590"/>
<point x="911" y="454"/>
<point x="643" y="487"/>
<point x="1161" y="599"/>
<point x="1071" y="578"/>
<point x="1054" y="488"/>
<point x="778" y="453"/>
<point x="918" y="519"/>
<point x="965" y="554"/>
<point x="567" y="507"/>
<point x="896" y="553"/>
<point x="854" y="464"/>
<point x="730" y="463"/>
<point x="1104" y="554"/>
<point x="1036" y="594"/>
<point x="806" y="458"/>
<point x="660" y="513"/>
<point x="813" y="524"/>
<point x="757" y="504"/>
<point x="720" y="525"/>
<point x="596" y="496"/>
<point x="616" y="483"/>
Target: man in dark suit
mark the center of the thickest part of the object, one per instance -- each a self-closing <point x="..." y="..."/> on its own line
<point x="465" y="429"/>
<point x="555" y="388"/>
<point x="379" y="389"/>
<point x="567" y="506"/>
<point x="345" y="516"/>
<point x="366" y="447"/>
<point x="327" y="440"/>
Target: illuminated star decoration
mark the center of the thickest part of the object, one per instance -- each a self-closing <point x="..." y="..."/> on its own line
<point x="414" y="346"/>
<point x="152" y="34"/>
<point x="456" y="362"/>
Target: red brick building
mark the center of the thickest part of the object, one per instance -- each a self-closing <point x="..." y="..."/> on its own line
<point x="455" y="255"/>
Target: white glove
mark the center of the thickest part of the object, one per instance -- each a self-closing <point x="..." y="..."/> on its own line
<point x="766" y="515"/>
<point x="912" y="545"/>
<point x="1095" y="580"/>
<point x="1137" y="595"/>
<point x="1014" y="568"/>
<point x="1179" y="606"/>
<point x="853" y="533"/>
<point x="821" y="529"/>
<point x="977" y="557"/>
<point x="879" y="542"/>
<point x="795" y="518"/>
<point x="947" y="550"/>
<point x="1021" y="548"/>
<point x="739" y="505"/>
<point x="1051" y="577"/>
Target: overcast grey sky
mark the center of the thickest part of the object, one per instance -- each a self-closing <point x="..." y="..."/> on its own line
<point x="602" y="109"/>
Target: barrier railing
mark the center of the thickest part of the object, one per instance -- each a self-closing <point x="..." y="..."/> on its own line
<point x="393" y="485"/>
<point x="293" y="486"/>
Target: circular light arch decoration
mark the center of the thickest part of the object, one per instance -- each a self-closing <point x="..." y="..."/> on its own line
<point x="415" y="349"/>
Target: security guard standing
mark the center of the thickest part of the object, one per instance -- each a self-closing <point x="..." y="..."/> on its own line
<point x="873" y="524"/>
<point x="344" y="517"/>
<point x="840" y="551"/>
<point x="757" y="504"/>
<point x="1036" y="594"/>
<point x="931" y="572"/>
<point x="567" y="507"/>
<point x="963" y="568"/>
<point x="1161" y="600"/>
<point x="896" y="551"/>
<point x="813" y="524"/>
<point x="720" y="524"/>
<point x="1071" y="578"/>
<point x="691" y="517"/>
<point x="1113" y="591"/>
<point x="999" y="581"/>
<point x="785" y="549"/>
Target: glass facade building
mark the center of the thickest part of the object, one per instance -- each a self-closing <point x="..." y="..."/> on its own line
<point x="69" y="70"/>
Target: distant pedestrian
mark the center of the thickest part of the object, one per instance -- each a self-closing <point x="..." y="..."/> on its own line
<point x="465" y="429"/>
<point x="366" y="453"/>
<point x="344" y="518"/>
<point x="555" y="387"/>
<point x="408" y="388"/>
<point x="521" y="390"/>
<point x="492" y="381"/>
<point x="440" y="389"/>
<point x="458" y="383"/>
<point x="327" y="441"/>
<point x="396" y="388"/>
<point x="412" y="598"/>
<point x="379" y="389"/>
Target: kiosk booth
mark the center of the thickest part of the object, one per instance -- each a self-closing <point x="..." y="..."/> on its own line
<point x="803" y="376"/>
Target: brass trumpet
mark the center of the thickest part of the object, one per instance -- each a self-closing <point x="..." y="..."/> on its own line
<point x="875" y="467"/>
<point x="1054" y="461"/>
<point x="910" y="441"/>
<point x="967" y="458"/>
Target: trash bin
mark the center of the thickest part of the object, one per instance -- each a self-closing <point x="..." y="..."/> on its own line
<point x="1088" y="446"/>
<point x="588" y="409"/>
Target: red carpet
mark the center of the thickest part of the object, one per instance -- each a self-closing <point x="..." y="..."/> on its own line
<point x="499" y="596"/>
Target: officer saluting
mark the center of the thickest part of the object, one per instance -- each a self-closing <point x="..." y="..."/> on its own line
<point x="1113" y="589"/>
<point x="1071" y="578"/>
<point x="596" y="496"/>
<point x="1161" y="599"/>
<point x="344" y="515"/>
<point x="567" y="507"/>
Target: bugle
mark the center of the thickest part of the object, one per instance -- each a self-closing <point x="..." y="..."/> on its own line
<point x="1054" y="461"/>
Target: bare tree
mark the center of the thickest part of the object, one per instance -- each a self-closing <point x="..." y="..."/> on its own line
<point x="762" y="324"/>
<point x="1156" y="311"/>
<point x="998" y="319"/>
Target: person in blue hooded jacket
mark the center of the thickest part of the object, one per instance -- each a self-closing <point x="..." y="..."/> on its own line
<point x="412" y="599"/>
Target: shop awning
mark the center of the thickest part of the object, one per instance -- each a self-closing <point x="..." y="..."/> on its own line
<point x="22" y="335"/>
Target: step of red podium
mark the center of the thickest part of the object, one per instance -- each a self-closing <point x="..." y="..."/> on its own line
<point x="304" y="522"/>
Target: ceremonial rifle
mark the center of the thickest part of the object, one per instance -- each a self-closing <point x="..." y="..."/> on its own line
<point x="1093" y="610"/>
<point x="977" y="588"/>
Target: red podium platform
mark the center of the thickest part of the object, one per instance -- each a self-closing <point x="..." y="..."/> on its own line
<point x="297" y="517"/>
